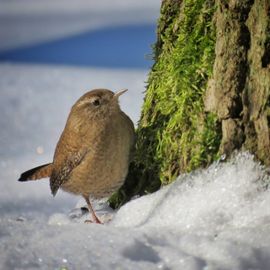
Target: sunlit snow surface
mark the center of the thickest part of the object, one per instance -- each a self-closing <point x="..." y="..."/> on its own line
<point x="217" y="218"/>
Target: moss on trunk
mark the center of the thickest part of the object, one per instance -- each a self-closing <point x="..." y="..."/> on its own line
<point x="175" y="135"/>
<point x="180" y="135"/>
<point x="208" y="91"/>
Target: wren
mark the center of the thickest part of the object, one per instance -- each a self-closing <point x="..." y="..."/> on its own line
<point x="92" y="156"/>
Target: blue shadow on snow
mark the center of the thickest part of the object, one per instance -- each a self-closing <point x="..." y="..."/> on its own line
<point x="114" y="47"/>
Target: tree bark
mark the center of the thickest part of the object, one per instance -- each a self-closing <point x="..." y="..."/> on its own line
<point x="238" y="91"/>
<point x="208" y="91"/>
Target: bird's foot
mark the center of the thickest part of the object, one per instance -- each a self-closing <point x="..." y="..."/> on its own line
<point x="97" y="221"/>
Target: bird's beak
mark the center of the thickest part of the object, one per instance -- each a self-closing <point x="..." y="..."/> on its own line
<point x="119" y="93"/>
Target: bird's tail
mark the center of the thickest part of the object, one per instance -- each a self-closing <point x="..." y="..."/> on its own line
<point x="37" y="173"/>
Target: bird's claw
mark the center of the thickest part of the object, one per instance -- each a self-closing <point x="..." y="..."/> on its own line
<point x="87" y="221"/>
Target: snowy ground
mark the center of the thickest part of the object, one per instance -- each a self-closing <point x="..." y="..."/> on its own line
<point x="218" y="218"/>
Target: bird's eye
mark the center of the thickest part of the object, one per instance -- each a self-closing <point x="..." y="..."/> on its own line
<point x="96" y="102"/>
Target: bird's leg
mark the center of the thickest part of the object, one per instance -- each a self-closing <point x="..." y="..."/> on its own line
<point x="91" y="210"/>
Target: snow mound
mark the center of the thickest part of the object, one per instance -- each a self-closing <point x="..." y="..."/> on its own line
<point x="216" y="218"/>
<point x="226" y="194"/>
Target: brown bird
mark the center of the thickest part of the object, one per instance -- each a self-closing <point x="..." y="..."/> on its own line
<point x="93" y="153"/>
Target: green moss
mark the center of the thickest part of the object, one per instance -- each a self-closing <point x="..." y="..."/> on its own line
<point x="185" y="137"/>
<point x="175" y="135"/>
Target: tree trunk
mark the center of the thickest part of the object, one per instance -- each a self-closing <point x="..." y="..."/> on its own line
<point x="208" y="92"/>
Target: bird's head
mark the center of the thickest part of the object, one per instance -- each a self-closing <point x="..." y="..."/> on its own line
<point x="98" y="103"/>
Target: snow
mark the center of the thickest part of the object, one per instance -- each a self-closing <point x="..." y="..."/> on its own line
<point x="216" y="218"/>
<point x="212" y="219"/>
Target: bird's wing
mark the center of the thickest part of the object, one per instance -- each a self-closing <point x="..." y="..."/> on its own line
<point x="62" y="174"/>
